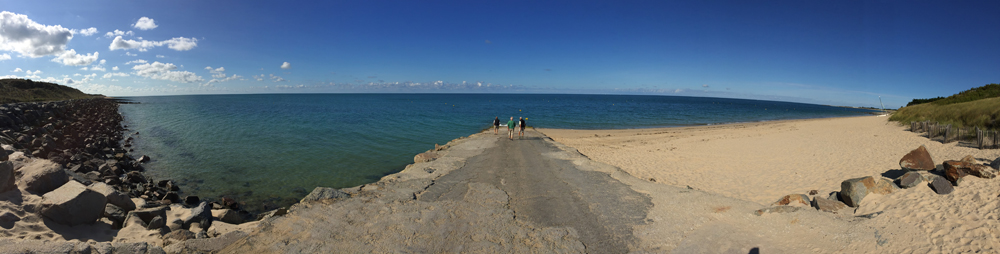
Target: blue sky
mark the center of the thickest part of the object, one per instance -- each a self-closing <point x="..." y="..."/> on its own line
<point x="840" y="53"/>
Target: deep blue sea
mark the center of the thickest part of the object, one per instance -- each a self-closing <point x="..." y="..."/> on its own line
<point x="270" y="150"/>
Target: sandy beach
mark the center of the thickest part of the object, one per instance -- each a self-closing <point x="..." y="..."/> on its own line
<point x="762" y="162"/>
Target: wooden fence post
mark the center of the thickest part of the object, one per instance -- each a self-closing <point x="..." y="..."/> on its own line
<point x="947" y="132"/>
<point x="979" y="138"/>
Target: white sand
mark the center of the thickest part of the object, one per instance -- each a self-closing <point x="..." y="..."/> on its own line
<point x="761" y="162"/>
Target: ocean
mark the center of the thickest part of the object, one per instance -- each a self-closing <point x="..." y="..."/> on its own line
<point x="269" y="150"/>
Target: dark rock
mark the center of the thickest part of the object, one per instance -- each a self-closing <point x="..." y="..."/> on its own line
<point x="826" y="205"/>
<point x="918" y="159"/>
<point x="73" y="204"/>
<point x="229" y="216"/>
<point x="995" y="164"/>
<point x="7" y="220"/>
<point x="7" y="176"/>
<point x="941" y="186"/>
<point x="793" y="200"/>
<point x="955" y="170"/>
<point x="3" y="153"/>
<point x="157" y="222"/>
<point x="813" y="192"/>
<point x="201" y="214"/>
<point x="193" y="201"/>
<point x="115" y="214"/>
<point x="323" y="193"/>
<point x="910" y="179"/>
<point x="42" y="176"/>
<point x="144" y="158"/>
<point x="135" y="177"/>
<point x="146" y="215"/>
<point x="425" y="157"/>
<point x="172" y="196"/>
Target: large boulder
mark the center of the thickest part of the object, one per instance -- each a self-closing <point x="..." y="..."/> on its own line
<point x="918" y="159"/>
<point x="114" y="196"/>
<point x="41" y="176"/>
<point x="228" y="216"/>
<point x="955" y="170"/>
<point x="3" y="155"/>
<point x="425" y="157"/>
<point x="852" y="191"/>
<point x="830" y="206"/>
<point x="7" y="176"/>
<point x="202" y="214"/>
<point x="793" y="200"/>
<point x="142" y="217"/>
<point x="996" y="163"/>
<point x="977" y="169"/>
<point x="910" y="179"/>
<point x="940" y="185"/>
<point x="73" y="204"/>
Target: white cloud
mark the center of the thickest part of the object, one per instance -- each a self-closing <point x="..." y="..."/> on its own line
<point x="4" y="57"/>
<point x="98" y="68"/>
<point x="117" y="32"/>
<point x="286" y="66"/>
<point x="217" y="73"/>
<point x="17" y="70"/>
<point x="115" y="74"/>
<point x="165" y="71"/>
<point x="275" y="78"/>
<point x="258" y="78"/>
<point x="130" y="54"/>
<point x="69" y="57"/>
<point x="136" y="61"/>
<point x="704" y="85"/>
<point x="145" y="23"/>
<point x="29" y="72"/>
<point x="85" y="32"/>
<point x="178" y="43"/>
<point x="160" y="56"/>
<point x="114" y="68"/>
<point x="20" y="34"/>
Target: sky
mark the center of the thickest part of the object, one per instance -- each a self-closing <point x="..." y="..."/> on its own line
<point x="848" y="53"/>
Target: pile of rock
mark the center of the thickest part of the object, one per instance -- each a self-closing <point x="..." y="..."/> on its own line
<point x="920" y="169"/>
<point x="72" y="154"/>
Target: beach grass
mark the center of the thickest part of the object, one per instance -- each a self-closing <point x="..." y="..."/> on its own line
<point x="983" y="113"/>
<point x="26" y="90"/>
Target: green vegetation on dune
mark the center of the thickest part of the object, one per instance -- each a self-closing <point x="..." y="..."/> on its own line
<point x="25" y="90"/>
<point x="978" y="93"/>
<point x="983" y="113"/>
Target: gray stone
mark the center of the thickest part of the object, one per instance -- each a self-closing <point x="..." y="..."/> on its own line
<point x="323" y="193"/>
<point x="995" y="164"/>
<point x="826" y="205"/>
<point x="7" y="176"/>
<point x="145" y="215"/>
<point x="114" y="196"/>
<point x="3" y="155"/>
<point x="274" y="213"/>
<point x="910" y="179"/>
<point x="230" y="216"/>
<point x="115" y="214"/>
<point x="942" y="186"/>
<point x="73" y="204"/>
<point x="41" y="176"/>
<point x="852" y="191"/>
<point x="144" y="158"/>
<point x="206" y="245"/>
<point x="7" y="220"/>
<point x="200" y="214"/>
<point x="137" y="248"/>
<point x="157" y="222"/>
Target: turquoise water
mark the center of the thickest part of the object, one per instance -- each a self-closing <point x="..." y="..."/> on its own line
<point x="270" y="150"/>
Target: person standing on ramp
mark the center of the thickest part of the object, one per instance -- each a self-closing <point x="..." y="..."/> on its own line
<point x="520" y="133"/>
<point x="510" y="128"/>
<point x="496" y="125"/>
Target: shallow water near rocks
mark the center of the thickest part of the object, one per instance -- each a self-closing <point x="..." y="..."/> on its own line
<point x="269" y="150"/>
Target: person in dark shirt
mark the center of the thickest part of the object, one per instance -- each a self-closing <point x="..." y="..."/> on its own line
<point x="496" y="125"/>
<point x="520" y="133"/>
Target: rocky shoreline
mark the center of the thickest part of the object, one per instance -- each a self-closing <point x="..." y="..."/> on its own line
<point x="70" y="163"/>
